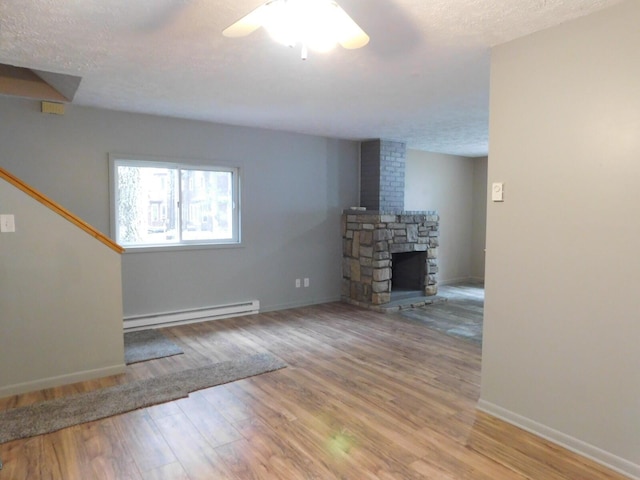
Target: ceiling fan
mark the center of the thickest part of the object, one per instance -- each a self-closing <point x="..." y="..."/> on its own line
<point x="314" y="24"/>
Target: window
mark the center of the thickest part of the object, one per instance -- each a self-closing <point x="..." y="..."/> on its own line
<point x="158" y="204"/>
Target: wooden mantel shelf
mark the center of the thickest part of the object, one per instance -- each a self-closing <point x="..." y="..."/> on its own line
<point x="15" y="181"/>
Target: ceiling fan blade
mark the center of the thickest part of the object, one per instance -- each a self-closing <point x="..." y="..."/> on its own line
<point x="352" y="35"/>
<point x="247" y="24"/>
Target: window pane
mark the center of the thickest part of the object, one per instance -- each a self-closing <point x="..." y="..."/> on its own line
<point x="158" y="203"/>
<point x="147" y="199"/>
<point x="207" y="205"/>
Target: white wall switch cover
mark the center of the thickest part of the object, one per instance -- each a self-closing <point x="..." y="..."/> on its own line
<point x="7" y="223"/>
<point x="497" y="192"/>
<point x="306" y="282"/>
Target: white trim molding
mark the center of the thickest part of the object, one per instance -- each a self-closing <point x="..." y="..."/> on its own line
<point x="580" y="447"/>
<point x="166" y="319"/>
<point x="50" y="382"/>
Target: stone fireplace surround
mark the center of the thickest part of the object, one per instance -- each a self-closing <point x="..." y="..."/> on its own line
<point x="380" y="228"/>
<point x="370" y="238"/>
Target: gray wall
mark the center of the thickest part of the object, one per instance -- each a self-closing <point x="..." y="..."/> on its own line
<point x="446" y="183"/>
<point x="294" y="188"/>
<point x="60" y="300"/>
<point x="479" y="214"/>
<point x="561" y="349"/>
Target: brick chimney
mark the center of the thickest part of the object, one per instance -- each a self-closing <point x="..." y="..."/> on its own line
<point x="382" y="168"/>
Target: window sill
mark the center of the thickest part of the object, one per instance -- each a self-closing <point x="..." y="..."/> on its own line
<point x="175" y="248"/>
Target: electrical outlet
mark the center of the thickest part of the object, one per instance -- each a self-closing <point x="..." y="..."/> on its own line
<point x="306" y="282"/>
<point x="297" y="283"/>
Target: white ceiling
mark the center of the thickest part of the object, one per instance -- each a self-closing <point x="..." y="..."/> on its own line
<point x="422" y="79"/>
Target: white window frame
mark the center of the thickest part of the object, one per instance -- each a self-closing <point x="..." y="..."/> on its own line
<point x="116" y="160"/>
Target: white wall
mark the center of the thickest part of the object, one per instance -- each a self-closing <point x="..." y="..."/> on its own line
<point x="294" y="189"/>
<point x="479" y="222"/>
<point x="446" y="183"/>
<point x="60" y="300"/>
<point x="561" y="349"/>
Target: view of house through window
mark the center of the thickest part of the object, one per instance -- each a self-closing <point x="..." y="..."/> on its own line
<point x="160" y="204"/>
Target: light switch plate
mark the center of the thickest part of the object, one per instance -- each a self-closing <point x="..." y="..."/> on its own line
<point x="7" y="223"/>
<point x="497" y="192"/>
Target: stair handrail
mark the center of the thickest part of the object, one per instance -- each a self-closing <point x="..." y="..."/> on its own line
<point x="59" y="209"/>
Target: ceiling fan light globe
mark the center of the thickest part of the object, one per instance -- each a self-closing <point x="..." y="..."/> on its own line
<point x="312" y="23"/>
<point x="284" y="35"/>
<point x="321" y="29"/>
<point x="317" y="24"/>
<point x="320" y="43"/>
<point x="278" y="22"/>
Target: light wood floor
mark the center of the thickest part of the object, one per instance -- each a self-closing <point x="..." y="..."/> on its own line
<point x="365" y="396"/>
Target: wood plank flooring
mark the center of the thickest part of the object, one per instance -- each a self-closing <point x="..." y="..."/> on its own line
<point x="365" y="396"/>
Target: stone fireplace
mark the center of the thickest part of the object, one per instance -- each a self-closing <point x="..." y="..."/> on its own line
<point x="373" y="244"/>
<point x="387" y="250"/>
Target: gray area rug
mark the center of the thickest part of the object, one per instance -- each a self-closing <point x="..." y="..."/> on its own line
<point x="52" y="415"/>
<point x="146" y="345"/>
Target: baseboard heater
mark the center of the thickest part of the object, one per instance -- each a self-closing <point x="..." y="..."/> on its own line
<point x="139" y="322"/>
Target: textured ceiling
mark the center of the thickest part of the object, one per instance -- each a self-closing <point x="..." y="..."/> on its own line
<point x="422" y="79"/>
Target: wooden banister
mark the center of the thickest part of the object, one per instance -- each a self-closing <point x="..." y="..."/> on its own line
<point x="16" y="182"/>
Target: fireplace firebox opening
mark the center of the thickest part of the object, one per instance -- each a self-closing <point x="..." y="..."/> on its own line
<point x="408" y="271"/>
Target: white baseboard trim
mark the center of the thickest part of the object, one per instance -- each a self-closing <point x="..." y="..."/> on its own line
<point x="476" y="279"/>
<point x="169" y="319"/>
<point x="580" y="447"/>
<point x="56" y="381"/>
<point x="454" y="281"/>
